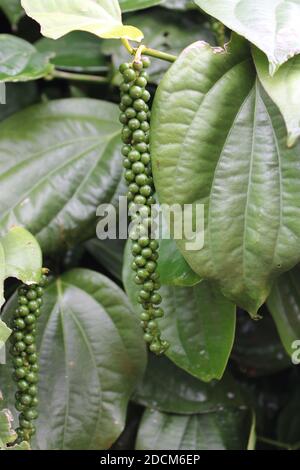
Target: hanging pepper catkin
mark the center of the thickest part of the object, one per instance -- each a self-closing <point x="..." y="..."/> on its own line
<point x="25" y="358"/>
<point x="135" y="117"/>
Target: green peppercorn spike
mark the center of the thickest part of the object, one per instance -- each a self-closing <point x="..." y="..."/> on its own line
<point x="24" y="355"/>
<point x="135" y="117"/>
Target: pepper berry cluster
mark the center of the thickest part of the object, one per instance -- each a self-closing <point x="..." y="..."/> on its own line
<point x="135" y="117"/>
<point x="25" y="358"/>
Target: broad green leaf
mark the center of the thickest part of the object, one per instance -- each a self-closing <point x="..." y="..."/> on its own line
<point x="169" y="389"/>
<point x="62" y="160"/>
<point x="272" y="25"/>
<point x="257" y="349"/>
<point x="166" y="31"/>
<point x="199" y="324"/>
<point x="172" y="266"/>
<point x="226" y="149"/>
<point x="77" y="52"/>
<point x="284" y="305"/>
<point x="18" y="96"/>
<point x="13" y="10"/>
<point x="222" y="430"/>
<point x="92" y="356"/>
<point x="132" y="5"/>
<point x="23" y="256"/>
<point x="109" y="253"/>
<point x="20" y="257"/>
<point x="20" y="61"/>
<point x="100" y="17"/>
<point x="283" y="88"/>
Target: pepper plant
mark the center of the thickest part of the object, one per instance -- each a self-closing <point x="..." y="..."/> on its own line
<point x="146" y="343"/>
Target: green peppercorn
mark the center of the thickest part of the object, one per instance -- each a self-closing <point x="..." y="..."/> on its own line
<point x="141" y="82"/>
<point x="146" y="62"/>
<point x="125" y="150"/>
<point x="22" y="385"/>
<point x="139" y="136"/>
<point x="31" y="414"/>
<point x="141" y="147"/>
<point x="134" y="124"/>
<point x="29" y="319"/>
<point x="22" y="311"/>
<point x="134" y="156"/>
<point x="124" y="67"/>
<point x="22" y="300"/>
<point x="26" y="399"/>
<point x="18" y="362"/>
<point x="139" y="105"/>
<point x="138" y="168"/>
<point x="148" y="338"/>
<point x="32" y="390"/>
<point x="129" y="75"/>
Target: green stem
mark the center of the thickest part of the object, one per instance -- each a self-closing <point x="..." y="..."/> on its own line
<point x="150" y="52"/>
<point x="77" y="76"/>
<point x="127" y="46"/>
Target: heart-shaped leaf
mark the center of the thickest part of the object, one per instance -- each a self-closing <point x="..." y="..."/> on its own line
<point x="273" y="25"/>
<point x="12" y="9"/>
<point x="100" y="17"/>
<point x="199" y="324"/>
<point x="284" y="305"/>
<point x="20" y="257"/>
<point x="222" y="430"/>
<point x="283" y="88"/>
<point x="220" y="142"/>
<point x="92" y="355"/>
<point x="20" y="61"/>
<point x="23" y="255"/>
<point x="167" y="388"/>
<point x="77" y="52"/>
<point x="62" y="160"/>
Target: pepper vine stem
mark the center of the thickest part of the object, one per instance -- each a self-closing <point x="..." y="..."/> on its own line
<point x="77" y="77"/>
<point x="148" y="51"/>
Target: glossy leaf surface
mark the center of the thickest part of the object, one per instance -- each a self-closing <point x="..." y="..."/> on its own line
<point x="272" y="25"/>
<point x="63" y="160"/>
<point x="100" y="17"/>
<point x="92" y="355"/>
<point x="283" y="88"/>
<point x="199" y="324"/>
<point x="220" y="142"/>
<point x="223" y="430"/>
<point x="20" y="61"/>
